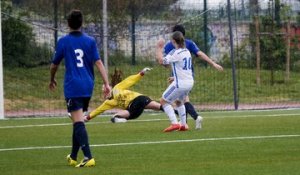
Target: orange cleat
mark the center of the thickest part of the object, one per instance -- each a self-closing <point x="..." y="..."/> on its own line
<point x="183" y="128"/>
<point x="172" y="127"/>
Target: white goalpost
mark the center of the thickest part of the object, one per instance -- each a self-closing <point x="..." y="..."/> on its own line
<point x="1" y="74"/>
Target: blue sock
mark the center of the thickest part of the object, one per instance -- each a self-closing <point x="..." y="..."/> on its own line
<point x="191" y="110"/>
<point x="75" y="146"/>
<point x="82" y="138"/>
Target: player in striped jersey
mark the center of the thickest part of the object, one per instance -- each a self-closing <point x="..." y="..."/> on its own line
<point x="181" y="61"/>
<point x="193" y="48"/>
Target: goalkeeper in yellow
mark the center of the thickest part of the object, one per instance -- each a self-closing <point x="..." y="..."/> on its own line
<point x="131" y="103"/>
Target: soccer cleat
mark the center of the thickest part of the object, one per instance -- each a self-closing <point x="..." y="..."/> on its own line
<point x="183" y="128"/>
<point x="118" y="120"/>
<point x="172" y="127"/>
<point x="71" y="161"/>
<point x="86" y="163"/>
<point x="198" y="122"/>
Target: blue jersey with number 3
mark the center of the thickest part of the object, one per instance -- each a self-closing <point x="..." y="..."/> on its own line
<point x="80" y="53"/>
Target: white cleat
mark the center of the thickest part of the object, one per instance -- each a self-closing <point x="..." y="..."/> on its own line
<point x="118" y="120"/>
<point x="198" y="122"/>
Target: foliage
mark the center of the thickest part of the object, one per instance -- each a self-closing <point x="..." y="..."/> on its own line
<point x="15" y="35"/>
<point x="194" y="30"/>
<point x="242" y="57"/>
<point x="272" y="46"/>
<point x="119" y="11"/>
<point x="272" y="42"/>
<point x="19" y="46"/>
<point x="226" y="61"/>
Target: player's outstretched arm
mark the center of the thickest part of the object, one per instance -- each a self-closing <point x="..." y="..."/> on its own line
<point x="210" y="61"/>
<point x="159" y="51"/>
<point x="132" y="79"/>
<point x="106" y="105"/>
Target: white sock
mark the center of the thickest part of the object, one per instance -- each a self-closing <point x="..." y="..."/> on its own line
<point x="182" y="114"/>
<point x="170" y="112"/>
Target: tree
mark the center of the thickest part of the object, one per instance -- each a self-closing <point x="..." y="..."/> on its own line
<point x="137" y="8"/>
<point x="254" y="7"/>
<point x="272" y="46"/>
<point x="254" y="29"/>
<point x="122" y="14"/>
<point x="19" y="47"/>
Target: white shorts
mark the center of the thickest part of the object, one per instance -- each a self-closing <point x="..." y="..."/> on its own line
<point x="172" y="93"/>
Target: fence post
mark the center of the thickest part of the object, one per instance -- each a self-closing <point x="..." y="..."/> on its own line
<point x="55" y="22"/>
<point x="1" y="75"/>
<point x="288" y="51"/>
<point x="257" y="50"/>
<point x="205" y="27"/>
<point x="133" y="20"/>
<point x="232" y="57"/>
<point x="105" y="35"/>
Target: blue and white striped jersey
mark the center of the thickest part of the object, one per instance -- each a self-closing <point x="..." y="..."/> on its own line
<point x="181" y="62"/>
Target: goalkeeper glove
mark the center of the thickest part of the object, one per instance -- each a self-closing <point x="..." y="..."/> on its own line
<point x="86" y="118"/>
<point x="146" y="69"/>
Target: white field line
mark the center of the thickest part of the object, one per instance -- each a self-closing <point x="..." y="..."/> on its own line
<point x="43" y="125"/>
<point x="155" y="142"/>
<point x="149" y="120"/>
<point x="159" y="113"/>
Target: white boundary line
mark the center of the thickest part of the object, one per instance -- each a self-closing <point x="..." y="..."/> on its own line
<point x="154" y="142"/>
<point x="150" y="120"/>
<point x="159" y="113"/>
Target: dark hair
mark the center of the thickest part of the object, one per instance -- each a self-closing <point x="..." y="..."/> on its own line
<point x="116" y="77"/>
<point x="179" y="39"/>
<point x="75" y="19"/>
<point x="179" y="28"/>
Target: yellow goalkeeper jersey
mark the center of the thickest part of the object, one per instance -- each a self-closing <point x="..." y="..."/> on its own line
<point x="121" y="96"/>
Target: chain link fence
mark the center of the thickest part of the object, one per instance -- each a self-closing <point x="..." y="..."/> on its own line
<point x="265" y="50"/>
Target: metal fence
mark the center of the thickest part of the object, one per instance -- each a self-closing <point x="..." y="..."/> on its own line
<point x="265" y="52"/>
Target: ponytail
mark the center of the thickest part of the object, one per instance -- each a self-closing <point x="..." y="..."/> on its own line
<point x="179" y="39"/>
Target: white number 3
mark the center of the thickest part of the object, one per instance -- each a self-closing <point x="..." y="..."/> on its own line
<point x="79" y="55"/>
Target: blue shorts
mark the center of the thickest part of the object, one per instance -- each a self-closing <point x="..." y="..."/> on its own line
<point x="74" y="104"/>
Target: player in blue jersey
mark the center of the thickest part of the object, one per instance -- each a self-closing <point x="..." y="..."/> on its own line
<point x="80" y="54"/>
<point x="193" y="48"/>
<point x="181" y="61"/>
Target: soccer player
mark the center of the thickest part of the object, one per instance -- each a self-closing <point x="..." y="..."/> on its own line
<point x="131" y="103"/>
<point x="193" y="48"/>
<point x="80" y="53"/>
<point x="181" y="61"/>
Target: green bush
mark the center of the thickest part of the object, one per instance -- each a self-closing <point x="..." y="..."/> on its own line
<point x="19" y="46"/>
